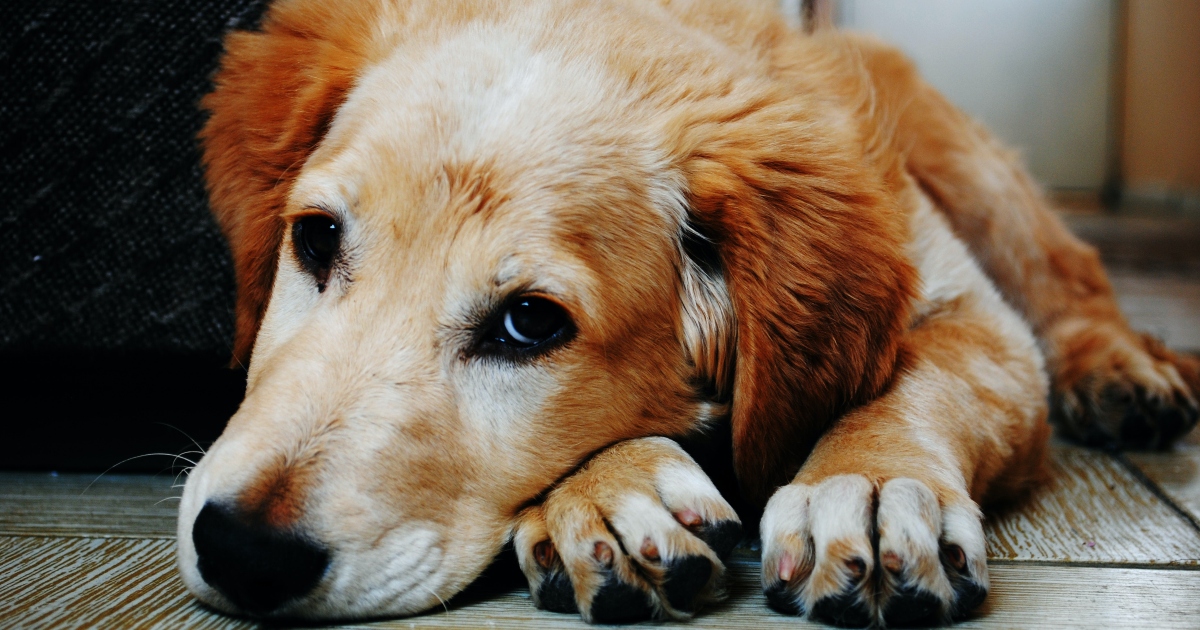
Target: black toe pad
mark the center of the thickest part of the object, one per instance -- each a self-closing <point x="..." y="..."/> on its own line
<point x="618" y="602"/>
<point x="843" y="610"/>
<point x="780" y="599"/>
<point x="721" y="536"/>
<point x="912" y="607"/>
<point x="686" y="577"/>
<point x="557" y="594"/>
<point x="968" y="594"/>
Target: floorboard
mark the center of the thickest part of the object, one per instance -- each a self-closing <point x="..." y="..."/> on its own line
<point x="1092" y="509"/>
<point x="124" y="582"/>
<point x="1176" y="472"/>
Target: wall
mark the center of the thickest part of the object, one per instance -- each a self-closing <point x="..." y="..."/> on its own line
<point x="1161" y="153"/>
<point x="1036" y="72"/>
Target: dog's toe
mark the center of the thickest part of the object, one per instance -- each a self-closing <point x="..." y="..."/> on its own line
<point x="817" y="550"/>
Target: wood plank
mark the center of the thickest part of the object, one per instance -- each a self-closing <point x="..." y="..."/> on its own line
<point x="96" y="582"/>
<point x="1176" y="472"/>
<point x="77" y="582"/>
<point x="82" y="505"/>
<point x="1092" y="509"/>
<point x="1167" y="307"/>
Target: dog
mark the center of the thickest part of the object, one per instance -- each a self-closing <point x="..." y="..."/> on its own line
<point x="498" y="260"/>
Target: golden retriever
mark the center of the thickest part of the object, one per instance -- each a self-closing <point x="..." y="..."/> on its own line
<point x="495" y="259"/>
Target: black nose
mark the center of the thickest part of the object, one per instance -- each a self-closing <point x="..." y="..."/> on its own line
<point x="258" y="567"/>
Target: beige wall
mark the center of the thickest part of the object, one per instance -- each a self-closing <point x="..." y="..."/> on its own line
<point x="1161" y="152"/>
<point x="1037" y="73"/>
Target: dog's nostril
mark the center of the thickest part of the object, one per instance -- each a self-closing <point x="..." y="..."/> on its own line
<point x="256" y="566"/>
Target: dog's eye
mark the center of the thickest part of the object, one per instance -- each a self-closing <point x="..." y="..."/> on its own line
<point x="528" y="323"/>
<point x="316" y="239"/>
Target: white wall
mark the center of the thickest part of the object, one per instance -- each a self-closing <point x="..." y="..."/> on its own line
<point x="1035" y="71"/>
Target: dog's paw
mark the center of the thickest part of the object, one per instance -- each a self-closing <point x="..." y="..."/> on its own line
<point x="638" y="533"/>
<point x="845" y="553"/>
<point x="1115" y="388"/>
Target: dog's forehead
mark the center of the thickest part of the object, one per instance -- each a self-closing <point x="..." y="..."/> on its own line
<point x="489" y="138"/>
<point x="484" y="97"/>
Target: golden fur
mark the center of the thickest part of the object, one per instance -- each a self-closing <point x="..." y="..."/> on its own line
<point x="877" y="385"/>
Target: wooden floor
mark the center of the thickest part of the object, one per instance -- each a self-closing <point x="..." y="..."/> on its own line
<point x="1109" y="542"/>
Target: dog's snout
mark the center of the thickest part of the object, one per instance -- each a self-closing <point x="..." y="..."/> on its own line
<point x="257" y="566"/>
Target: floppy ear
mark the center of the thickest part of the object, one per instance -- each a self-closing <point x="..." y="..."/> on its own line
<point x="810" y="245"/>
<point x="275" y="94"/>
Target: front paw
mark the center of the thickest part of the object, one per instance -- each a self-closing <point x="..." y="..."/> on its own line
<point x="638" y="533"/>
<point x="849" y="554"/>
<point x="1115" y="388"/>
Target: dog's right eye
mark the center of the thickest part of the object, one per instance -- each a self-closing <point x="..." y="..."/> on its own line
<point x="316" y="239"/>
<point x="527" y="325"/>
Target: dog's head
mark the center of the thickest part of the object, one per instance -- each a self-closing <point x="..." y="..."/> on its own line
<point x="472" y="250"/>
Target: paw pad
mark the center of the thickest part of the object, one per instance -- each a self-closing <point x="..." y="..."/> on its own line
<point x="912" y="606"/>
<point x="846" y="610"/>
<point x="780" y="599"/>
<point x="685" y="580"/>
<point x="618" y="602"/>
<point x="556" y="593"/>
<point x="721" y="536"/>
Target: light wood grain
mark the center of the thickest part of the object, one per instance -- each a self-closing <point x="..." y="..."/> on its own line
<point x="1176" y="472"/>
<point x="1092" y="509"/>
<point x="95" y="582"/>
<point x="127" y="583"/>
<point x="1167" y="306"/>
<point x="82" y="505"/>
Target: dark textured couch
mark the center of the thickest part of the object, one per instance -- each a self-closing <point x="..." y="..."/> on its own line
<point x="116" y="292"/>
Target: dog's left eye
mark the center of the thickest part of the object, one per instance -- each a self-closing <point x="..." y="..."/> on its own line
<point x="317" y="239"/>
<point x="529" y="323"/>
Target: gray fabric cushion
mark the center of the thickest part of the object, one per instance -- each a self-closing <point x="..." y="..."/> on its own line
<point x="106" y="238"/>
<point x="116" y="289"/>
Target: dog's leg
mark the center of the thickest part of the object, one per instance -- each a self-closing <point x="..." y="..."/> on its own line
<point x="1111" y="385"/>
<point x="638" y="532"/>
<point x="882" y="525"/>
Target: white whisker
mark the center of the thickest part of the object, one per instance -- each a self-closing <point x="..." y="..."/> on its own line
<point x="129" y="459"/>
<point x="187" y="470"/>
<point x="431" y="592"/>
<point x="169" y="426"/>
